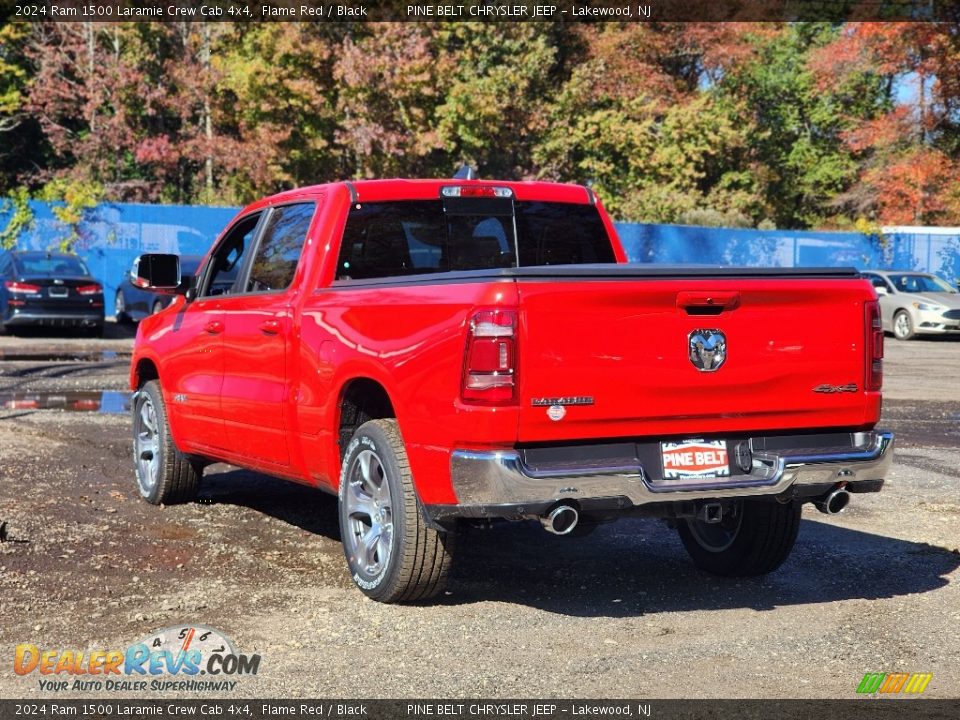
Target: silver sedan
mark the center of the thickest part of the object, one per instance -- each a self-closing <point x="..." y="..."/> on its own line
<point x="912" y="303"/>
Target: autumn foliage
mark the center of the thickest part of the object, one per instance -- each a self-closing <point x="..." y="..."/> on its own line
<point x="793" y="125"/>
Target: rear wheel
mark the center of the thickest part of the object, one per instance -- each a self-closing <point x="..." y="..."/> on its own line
<point x="752" y="538"/>
<point x="120" y="309"/>
<point x="903" y="326"/>
<point x="392" y="555"/>
<point x="164" y="474"/>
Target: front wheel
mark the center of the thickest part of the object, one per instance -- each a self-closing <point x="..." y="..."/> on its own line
<point x="164" y="474"/>
<point x="392" y="555"/>
<point x="903" y="326"/>
<point x="753" y="537"/>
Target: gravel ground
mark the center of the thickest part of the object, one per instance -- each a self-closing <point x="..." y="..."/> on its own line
<point x="621" y="613"/>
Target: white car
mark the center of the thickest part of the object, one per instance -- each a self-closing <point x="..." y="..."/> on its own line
<point x="913" y="303"/>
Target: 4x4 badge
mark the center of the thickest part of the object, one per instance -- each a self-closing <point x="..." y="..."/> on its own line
<point x="707" y="349"/>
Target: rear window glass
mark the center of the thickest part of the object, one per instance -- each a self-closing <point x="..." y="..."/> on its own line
<point x="51" y="266"/>
<point x="411" y="237"/>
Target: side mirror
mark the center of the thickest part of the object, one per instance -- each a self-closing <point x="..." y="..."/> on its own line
<point x="156" y="271"/>
<point x="881" y="290"/>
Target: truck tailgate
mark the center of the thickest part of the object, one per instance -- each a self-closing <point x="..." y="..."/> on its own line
<point x="605" y="355"/>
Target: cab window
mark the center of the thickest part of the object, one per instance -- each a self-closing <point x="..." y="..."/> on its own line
<point x="279" y="251"/>
<point x="227" y="260"/>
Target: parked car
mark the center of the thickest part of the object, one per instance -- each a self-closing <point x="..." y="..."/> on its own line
<point x="914" y="303"/>
<point x="446" y="352"/>
<point x="133" y="303"/>
<point x="49" y="289"/>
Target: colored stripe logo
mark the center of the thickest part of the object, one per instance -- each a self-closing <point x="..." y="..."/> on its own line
<point x="892" y="683"/>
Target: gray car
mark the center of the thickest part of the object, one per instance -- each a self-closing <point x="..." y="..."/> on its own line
<point x="913" y="303"/>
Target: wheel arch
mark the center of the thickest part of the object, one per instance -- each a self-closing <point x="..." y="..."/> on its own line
<point x="360" y="399"/>
<point x="143" y="372"/>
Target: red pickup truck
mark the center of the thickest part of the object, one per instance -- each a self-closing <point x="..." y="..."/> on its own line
<point x="441" y="352"/>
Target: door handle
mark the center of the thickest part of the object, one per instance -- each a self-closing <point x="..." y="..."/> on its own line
<point x="270" y="327"/>
<point x="213" y="327"/>
<point x="708" y="303"/>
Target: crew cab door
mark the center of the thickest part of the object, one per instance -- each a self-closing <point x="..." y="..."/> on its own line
<point x="195" y="356"/>
<point x="257" y="322"/>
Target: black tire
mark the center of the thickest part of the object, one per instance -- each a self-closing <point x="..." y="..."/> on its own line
<point x="903" y="326"/>
<point x="754" y="539"/>
<point x="392" y="555"/>
<point x="120" y="309"/>
<point x="164" y="475"/>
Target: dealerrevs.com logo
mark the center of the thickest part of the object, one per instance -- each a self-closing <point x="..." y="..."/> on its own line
<point x="889" y="684"/>
<point x="192" y="658"/>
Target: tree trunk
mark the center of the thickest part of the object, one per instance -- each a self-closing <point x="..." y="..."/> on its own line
<point x="91" y="68"/>
<point x="205" y="54"/>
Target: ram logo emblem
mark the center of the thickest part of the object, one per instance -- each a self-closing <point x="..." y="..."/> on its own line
<point x="707" y="349"/>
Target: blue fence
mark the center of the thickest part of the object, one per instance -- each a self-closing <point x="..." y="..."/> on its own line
<point x="114" y="234"/>
<point x="935" y="250"/>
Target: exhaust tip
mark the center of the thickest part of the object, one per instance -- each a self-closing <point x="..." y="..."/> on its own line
<point x="833" y="503"/>
<point x="561" y="520"/>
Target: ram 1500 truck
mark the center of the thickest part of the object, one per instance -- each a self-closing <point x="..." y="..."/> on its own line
<point x="441" y="352"/>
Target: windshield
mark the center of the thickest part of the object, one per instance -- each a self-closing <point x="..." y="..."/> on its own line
<point x="51" y="265"/>
<point x="920" y="284"/>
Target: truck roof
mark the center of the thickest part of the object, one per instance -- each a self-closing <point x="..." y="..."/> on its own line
<point x="408" y="189"/>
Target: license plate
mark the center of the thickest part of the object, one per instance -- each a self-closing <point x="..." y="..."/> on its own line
<point x="693" y="459"/>
<point x="58" y="292"/>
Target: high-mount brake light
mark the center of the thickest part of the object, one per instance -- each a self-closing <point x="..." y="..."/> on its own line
<point x="476" y="191"/>
<point x="490" y="360"/>
<point x="89" y="289"/>
<point x="19" y="287"/>
<point x="874" y="346"/>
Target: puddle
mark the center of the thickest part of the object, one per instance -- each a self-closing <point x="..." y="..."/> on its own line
<point x="108" y="401"/>
<point x="63" y="355"/>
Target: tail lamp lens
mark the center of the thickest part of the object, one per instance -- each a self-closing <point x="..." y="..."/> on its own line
<point x="19" y="287"/>
<point x="490" y="373"/>
<point x="89" y="289"/>
<point x="874" y="346"/>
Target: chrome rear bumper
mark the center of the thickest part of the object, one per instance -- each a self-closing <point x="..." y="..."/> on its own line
<point x="482" y="478"/>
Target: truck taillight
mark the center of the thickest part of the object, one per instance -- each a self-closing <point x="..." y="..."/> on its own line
<point x="19" y="287"/>
<point x="89" y="289"/>
<point x="874" y="346"/>
<point x="490" y="363"/>
<point x="475" y="191"/>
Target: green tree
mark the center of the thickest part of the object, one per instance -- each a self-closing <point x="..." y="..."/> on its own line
<point x="277" y="81"/>
<point x="499" y="78"/>
<point x="800" y="125"/>
<point x="19" y="217"/>
<point x="20" y="137"/>
<point x="663" y="141"/>
<point x="390" y="82"/>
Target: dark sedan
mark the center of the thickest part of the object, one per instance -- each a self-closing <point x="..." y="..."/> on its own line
<point x="133" y="304"/>
<point x="49" y="289"/>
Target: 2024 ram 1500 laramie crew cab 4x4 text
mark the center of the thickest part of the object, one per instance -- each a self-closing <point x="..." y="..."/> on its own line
<point x="438" y="352"/>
